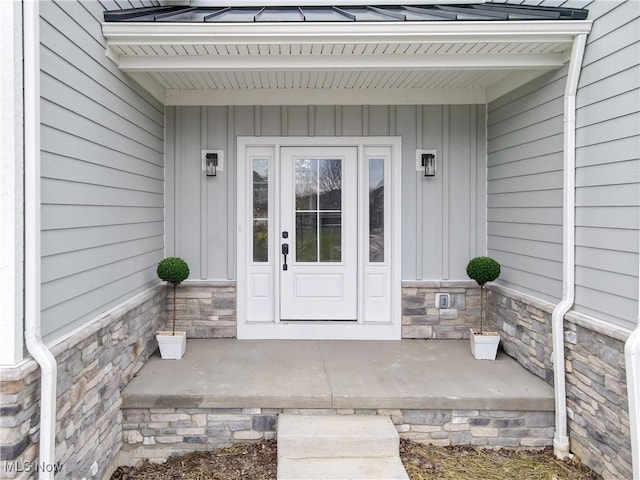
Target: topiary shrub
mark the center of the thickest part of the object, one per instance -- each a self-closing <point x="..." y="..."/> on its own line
<point x="483" y="270"/>
<point x="173" y="270"/>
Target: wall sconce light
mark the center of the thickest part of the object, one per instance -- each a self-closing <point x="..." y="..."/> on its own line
<point x="428" y="162"/>
<point x="211" y="164"/>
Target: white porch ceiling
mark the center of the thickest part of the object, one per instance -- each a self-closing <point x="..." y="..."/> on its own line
<point x="338" y="63"/>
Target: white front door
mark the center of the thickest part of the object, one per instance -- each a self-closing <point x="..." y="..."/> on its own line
<point x="332" y="205"/>
<point x="318" y="238"/>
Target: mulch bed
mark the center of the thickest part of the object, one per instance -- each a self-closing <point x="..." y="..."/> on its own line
<point x="258" y="461"/>
<point x="255" y="461"/>
<point x="462" y="462"/>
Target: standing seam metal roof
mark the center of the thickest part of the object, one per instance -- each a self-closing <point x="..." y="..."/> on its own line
<point x="391" y="13"/>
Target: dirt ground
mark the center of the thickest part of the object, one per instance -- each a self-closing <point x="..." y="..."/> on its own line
<point x="258" y="462"/>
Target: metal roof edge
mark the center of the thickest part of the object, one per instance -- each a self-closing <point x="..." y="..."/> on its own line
<point x="285" y="10"/>
<point x="310" y="3"/>
<point x="481" y="30"/>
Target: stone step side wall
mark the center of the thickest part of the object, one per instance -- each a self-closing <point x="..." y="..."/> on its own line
<point x="597" y="404"/>
<point x="93" y="367"/>
<point x="203" y="309"/>
<point x="421" y="318"/>
<point x="157" y="433"/>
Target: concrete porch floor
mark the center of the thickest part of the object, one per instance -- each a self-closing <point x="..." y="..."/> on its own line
<point x="406" y="374"/>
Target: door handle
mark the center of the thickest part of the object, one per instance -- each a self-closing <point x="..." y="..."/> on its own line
<point x="285" y="252"/>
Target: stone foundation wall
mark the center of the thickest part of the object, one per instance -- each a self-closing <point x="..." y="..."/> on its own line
<point x="204" y="309"/>
<point x="157" y="433"/>
<point x="597" y="404"/>
<point x="93" y="367"/>
<point x="421" y="318"/>
<point x="208" y="309"/>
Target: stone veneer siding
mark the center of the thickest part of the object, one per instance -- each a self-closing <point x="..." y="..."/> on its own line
<point x="422" y="319"/>
<point x="597" y="404"/>
<point x="208" y="309"/>
<point x="93" y="367"/>
<point x="157" y="433"/>
<point x="204" y="309"/>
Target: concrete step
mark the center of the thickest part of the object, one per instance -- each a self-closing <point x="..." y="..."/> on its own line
<point x="380" y="468"/>
<point x="332" y="447"/>
<point x="331" y="436"/>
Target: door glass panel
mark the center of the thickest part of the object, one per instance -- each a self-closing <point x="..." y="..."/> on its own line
<point x="330" y="184"/>
<point x="376" y="210"/>
<point x="330" y="236"/>
<point x="306" y="184"/>
<point x="306" y="237"/>
<point x="318" y="184"/>
<point x="260" y="210"/>
<point x="260" y="241"/>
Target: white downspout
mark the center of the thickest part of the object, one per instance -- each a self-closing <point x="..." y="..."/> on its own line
<point x="41" y="354"/>
<point x="632" y="362"/>
<point x="560" y="437"/>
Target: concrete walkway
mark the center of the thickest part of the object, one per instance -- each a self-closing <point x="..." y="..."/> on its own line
<point x="407" y="374"/>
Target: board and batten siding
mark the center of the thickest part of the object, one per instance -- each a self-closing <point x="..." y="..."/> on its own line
<point x="525" y="161"/>
<point x="443" y="218"/>
<point x="102" y="169"/>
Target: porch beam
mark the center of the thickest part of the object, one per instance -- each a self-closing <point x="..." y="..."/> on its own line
<point x="326" y="97"/>
<point x="130" y="63"/>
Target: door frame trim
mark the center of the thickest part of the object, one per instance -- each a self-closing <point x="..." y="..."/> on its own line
<point x="360" y="330"/>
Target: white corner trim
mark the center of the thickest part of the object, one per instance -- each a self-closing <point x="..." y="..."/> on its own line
<point x="32" y="276"/>
<point x="632" y="363"/>
<point x="11" y="186"/>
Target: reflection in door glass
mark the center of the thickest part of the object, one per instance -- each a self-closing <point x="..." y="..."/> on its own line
<point x="306" y="184"/>
<point x="306" y="237"/>
<point x="318" y="184"/>
<point x="330" y="184"/>
<point x="376" y="210"/>
<point x="260" y="210"/>
<point x="330" y="236"/>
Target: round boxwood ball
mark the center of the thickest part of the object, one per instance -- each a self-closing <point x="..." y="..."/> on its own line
<point x="483" y="270"/>
<point x="173" y="270"/>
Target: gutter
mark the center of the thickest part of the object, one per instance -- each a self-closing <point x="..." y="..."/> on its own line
<point x="560" y="437"/>
<point x="153" y="33"/>
<point x="632" y="362"/>
<point x="32" y="275"/>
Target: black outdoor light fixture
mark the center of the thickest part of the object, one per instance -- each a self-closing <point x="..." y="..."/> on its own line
<point x="212" y="164"/>
<point x="429" y="164"/>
